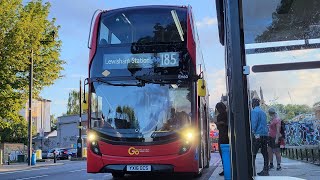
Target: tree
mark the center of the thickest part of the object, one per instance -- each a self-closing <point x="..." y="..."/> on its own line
<point x="292" y="20"/>
<point x="22" y="29"/>
<point x="54" y="122"/>
<point x="73" y="106"/>
<point x="289" y="111"/>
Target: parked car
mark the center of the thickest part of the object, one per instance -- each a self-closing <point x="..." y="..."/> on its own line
<point x="72" y="153"/>
<point x="63" y="153"/>
<point x="50" y="153"/>
<point x="44" y="154"/>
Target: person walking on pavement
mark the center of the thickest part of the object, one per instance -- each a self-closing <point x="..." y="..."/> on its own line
<point x="222" y="125"/>
<point x="260" y="135"/>
<point x="274" y="141"/>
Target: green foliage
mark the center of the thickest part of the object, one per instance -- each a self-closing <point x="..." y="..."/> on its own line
<point x="54" y="122"/>
<point x="289" y="111"/>
<point x="316" y="104"/>
<point x="22" y="29"/>
<point x="73" y="106"/>
<point x="13" y="130"/>
<point x="127" y="113"/>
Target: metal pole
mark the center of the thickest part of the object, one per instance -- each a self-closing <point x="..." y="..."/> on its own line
<point x="30" y="109"/>
<point x="241" y="155"/>
<point x="79" y="143"/>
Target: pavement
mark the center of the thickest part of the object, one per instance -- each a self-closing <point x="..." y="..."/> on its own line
<point x="290" y="168"/>
<point x="24" y="166"/>
<point x="77" y="170"/>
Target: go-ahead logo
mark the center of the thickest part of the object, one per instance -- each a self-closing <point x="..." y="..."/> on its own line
<point x="133" y="151"/>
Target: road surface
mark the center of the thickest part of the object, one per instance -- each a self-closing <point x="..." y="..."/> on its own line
<point x="76" y="170"/>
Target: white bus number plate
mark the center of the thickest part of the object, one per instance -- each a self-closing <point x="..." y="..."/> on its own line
<point x="138" y="167"/>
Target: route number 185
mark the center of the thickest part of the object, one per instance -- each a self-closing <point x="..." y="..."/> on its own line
<point x="169" y="59"/>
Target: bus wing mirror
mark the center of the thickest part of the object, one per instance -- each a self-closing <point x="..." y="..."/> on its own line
<point x="86" y="82"/>
<point x="220" y="18"/>
<point x="201" y="88"/>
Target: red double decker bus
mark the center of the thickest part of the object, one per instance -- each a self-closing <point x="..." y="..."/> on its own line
<point x="148" y="102"/>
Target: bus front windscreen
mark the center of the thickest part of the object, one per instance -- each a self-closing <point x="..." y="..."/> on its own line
<point x="143" y="26"/>
<point x="140" y="113"/>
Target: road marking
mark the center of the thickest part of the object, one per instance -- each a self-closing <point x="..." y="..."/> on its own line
<point x="11" y="172"/>
<point x="77" y="170"/>
<point x="34" y="177"/>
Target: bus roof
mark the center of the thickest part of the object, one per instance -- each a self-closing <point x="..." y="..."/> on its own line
<point x="146" y="7"/>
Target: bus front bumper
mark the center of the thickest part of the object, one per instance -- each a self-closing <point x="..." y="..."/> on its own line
<point x="123" y="168"/>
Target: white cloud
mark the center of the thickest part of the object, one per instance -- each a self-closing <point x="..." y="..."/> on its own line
<point x="207" y="21"/>
<point x="217" y="85"/>
<point x="289" y="87"/>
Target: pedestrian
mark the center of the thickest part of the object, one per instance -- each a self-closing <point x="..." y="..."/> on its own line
<point x="274" y="140"/>
<point x="259" y="135"/>
<point x="222" y="125"/>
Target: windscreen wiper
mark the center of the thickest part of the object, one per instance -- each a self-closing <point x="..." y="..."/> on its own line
<point x="104" y="80"/>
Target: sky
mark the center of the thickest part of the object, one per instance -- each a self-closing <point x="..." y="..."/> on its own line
<point x="74" y="17"/>
<point x="290" y="87"/>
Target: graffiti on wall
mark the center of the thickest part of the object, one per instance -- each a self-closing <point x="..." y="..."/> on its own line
<point x="306" y="132"/>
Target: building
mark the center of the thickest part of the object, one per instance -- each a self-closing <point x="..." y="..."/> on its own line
<point x="40" y="115"/>
<point x="68" y="130"/>
<point x="47" y="142"/>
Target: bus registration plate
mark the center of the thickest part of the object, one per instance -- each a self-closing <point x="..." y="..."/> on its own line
<point x="138" y="167"/>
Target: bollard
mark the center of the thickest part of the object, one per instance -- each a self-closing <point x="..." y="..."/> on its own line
<point x="225" y="149"/>
<point x="33" y="159"/>
<point x="307" y="154"/>
<point x="9" y="159"/>
<point x="289" y="153"/>
<point x="54" y="157"/>
<point x="319" y="154"/>
<point x="1" y="157"/>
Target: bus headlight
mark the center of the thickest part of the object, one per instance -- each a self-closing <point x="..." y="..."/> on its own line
<point x="185" y="147"/>
<point x="94" y="146"/>
<point x="188" y="135"/>
<point x="92" y="137"/>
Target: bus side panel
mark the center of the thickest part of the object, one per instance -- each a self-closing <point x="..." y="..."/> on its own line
<point x="94" y="39"/>
<point x="190" y="39"/>
<point x="94" y="162"/>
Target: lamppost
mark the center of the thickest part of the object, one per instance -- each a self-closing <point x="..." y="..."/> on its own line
<point x="30" y="98"/>
<point x="30" y="110"/>
<point x="79" y="141"/>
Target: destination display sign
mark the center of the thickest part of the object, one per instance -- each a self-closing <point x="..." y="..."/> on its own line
<point x="144" y="60"/>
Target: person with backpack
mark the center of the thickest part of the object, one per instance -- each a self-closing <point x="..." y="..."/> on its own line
<point x="274" y="141"/>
